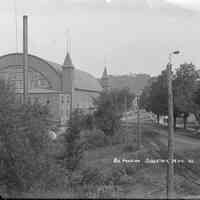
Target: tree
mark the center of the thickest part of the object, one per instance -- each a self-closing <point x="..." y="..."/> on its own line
<point x="196" y="100"/>
<point x="155" y="97"/>
<point x="23" y="141"/>
<point x="73" y="147"/>
<point x="110" y="107"/>
<point x="184" y="88"/>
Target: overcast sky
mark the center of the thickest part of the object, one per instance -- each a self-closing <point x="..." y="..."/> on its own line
<point x="129" y="35"/>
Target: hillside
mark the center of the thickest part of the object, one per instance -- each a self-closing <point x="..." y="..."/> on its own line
<point x="135" y="82"/>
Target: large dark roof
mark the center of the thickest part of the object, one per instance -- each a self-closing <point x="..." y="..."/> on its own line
<point x="83" y="80"/>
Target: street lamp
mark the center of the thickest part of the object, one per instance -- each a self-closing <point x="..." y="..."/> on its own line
<point x="170" y="55"/>
<point x="170" y="168"/>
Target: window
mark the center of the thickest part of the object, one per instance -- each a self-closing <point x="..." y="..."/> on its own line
<point x="15" y="76"/>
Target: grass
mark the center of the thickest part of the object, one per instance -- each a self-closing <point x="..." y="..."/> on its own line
<point x="149" y="181"/>
<point x="141" y="181"/>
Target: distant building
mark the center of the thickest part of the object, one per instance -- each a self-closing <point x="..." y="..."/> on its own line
<point x="51" y="83"/>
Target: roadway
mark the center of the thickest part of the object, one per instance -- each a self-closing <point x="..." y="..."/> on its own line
<point x="182" y="142"/>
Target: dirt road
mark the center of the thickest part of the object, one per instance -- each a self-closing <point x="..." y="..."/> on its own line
<point x="182" y="143"/>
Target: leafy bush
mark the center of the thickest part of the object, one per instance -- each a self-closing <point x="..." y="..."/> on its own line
<point x="92" y="176"/>
<point x="71" y="157"/>
<point x="115" y="174"/>
<point x="109" y="109"/>
<point x="105" y="192"/>
<point x="54" y="176"/>
<point x="96" y="192"/>
<point x="24" y="142"/>
<point x="95" y="138"/>
<point x="129" y="148"/>
<point x="121" y="174"/>
<point x="131" y="168"/>
<point x="118" y="137"/>
<point x="88" y="122"/>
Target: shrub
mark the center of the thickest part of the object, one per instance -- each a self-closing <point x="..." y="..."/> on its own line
<point x="72" y="154"/>
<point x="24" y="146"/>
<point x="88" y="122"/>
<point x="115" y="174"/>
<point x="53" y="177"/>
<point x="129" y="148"/>
<point x="105" y="192"/>
<point x="118" y="137"/>
<point x="95" y="138"/>
<point x="106" y="116"/>
<point x="24" y="142"/>
<point x="92" y="176"/>
<point x="130" y="169"/>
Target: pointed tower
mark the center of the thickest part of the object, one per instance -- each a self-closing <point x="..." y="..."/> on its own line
<point x="68" y="83"/>
<point x="67" y="75"/>
<point x="105" y="80"/>
<point x="68" y="69"/>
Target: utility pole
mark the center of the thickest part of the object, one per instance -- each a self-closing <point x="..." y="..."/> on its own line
<point x="125" y="106"/>
<point x="170" y="166"/>
<point x="138" y="124"/>
<point x="125" y="111"/>
<point x="25" y="59"/>
<point x="170" y="173"/>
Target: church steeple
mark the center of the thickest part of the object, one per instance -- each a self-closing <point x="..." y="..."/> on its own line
<point x="68" y="74"/>
<point x="68" y="61"/>
<point x="105" y="80"/>
<point x="105" y="74"/>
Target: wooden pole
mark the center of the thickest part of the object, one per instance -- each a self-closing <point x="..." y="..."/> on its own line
<point x="125" y="111"/>
<point x="25" y="58"/>
<point x="170" y="168"/>
<point x="138" y="125"/>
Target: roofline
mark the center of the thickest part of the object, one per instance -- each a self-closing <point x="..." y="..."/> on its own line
<point x="20" y="91"/>
<point x="53" y="68"/>
<point x="41" y="59"/>
<point x="85" y="90"/>
<point x="30" y="93"/>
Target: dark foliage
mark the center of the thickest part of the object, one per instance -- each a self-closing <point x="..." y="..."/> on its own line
<point x="23" y="141"/>
<point x="155" y="96"/>
<point x="109" y="109"/>
<point x="73" y="146"/>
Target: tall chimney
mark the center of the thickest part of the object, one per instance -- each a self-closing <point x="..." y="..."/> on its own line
<point x="25" y="58"/>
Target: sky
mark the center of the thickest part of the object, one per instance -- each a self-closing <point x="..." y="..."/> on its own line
<point x="129" y="36"/>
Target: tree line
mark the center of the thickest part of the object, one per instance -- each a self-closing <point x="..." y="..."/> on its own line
<point x="186" y="93"/>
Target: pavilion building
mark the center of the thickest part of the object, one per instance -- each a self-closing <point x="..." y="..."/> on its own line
<point x="51" y="83"/>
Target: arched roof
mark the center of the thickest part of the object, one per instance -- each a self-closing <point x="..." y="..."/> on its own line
<point x="52" y="71"/>
<point x="37" y="64"/>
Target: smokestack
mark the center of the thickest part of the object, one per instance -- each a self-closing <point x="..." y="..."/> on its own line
<point x="25" y="57"/>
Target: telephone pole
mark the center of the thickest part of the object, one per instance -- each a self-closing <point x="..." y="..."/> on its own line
<point x="170" y="173"/>
<point x="170" y="166"/>
<point x="138" y="123"/>
<point x="126" y="118"/>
